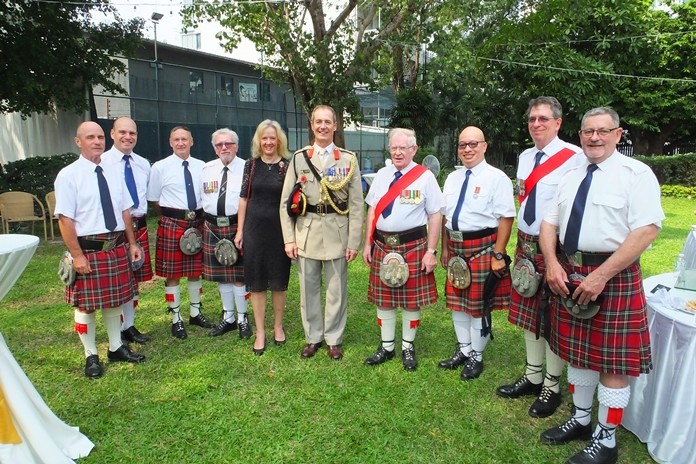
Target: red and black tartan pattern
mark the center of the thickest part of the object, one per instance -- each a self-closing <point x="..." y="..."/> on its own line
<point x="212" y="269"/>
<point x="170" y="261"/>
<point x="111" y="282"/>
<point x="470" y="300"/>
<point x="524" y="312"/>
<point x="419" y="290"/>
<point x="616" y="340"/>
<point x="145" y="272"/>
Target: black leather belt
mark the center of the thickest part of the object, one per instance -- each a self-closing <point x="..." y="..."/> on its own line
<point x="580" y="258"/>
<point x="399" y="238"/>
<point x="139" y="222"/>
<point x="325" y="209"/>
<point x="185" y="214"/>
<point x="89" y="245"/>
<point x="458" y="236"/>
<point x="216" y="220"/>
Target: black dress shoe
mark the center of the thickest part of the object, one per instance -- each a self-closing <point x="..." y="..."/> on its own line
<point x="521" y="387"/>
<point x="93" y="368"/>
<point x="472" y="369"/>
<point x="124" y="354"/>
<point x="310" y="349"/>
<point x="380" y="357"/>
<point x="222" y="328"/>
<point x="595" y="453"/>
<point x="408" y="358"/>
<point x="201" y="321"/>
<point x="178" y="330"/>
<point x="568" y="431"/>
<point x="546" y="404"/>
<point x="456" y="360"/>
<point x="131" y="334"/>
<point x="244" y="328"/>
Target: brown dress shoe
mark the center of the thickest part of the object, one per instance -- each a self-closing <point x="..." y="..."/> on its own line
<point x="335" y="352"/>
<point x="310" y="349"/>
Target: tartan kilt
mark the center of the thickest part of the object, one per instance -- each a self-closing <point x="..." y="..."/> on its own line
<point x="470" y="300"/>
<point x="419" y="290"/>
<point x="524" y="312"/>
<point x="109" y="285"/>
<point x="170" y="261"/>
<point x="614" y="341"/>
<point x="212" y="269"/>
<point x="145" y="272"/>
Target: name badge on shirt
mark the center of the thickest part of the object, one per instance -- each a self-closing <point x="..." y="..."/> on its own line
<point x="411" y="197"/>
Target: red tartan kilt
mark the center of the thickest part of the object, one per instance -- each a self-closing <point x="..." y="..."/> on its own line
<point x="419" y="290"/>
<point x="170" y="261"/>
<point x="212" y="269"/>
<point x="109" y="285"/>
<point x="145" y="272"/>
<point x="616" y="340"/>
<point x="470" y="300"/>
<point x="524" y="311"/>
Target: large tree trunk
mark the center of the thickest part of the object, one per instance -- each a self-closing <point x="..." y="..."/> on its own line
<point x="652" y="143"/>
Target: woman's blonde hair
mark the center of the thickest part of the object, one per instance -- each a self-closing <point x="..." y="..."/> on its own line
<point x="280" y="134"/>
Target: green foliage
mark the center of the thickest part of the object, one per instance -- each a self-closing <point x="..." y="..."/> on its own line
<point x="34" y="175"/>
<point x="678" y="191"/>
<point x="52" y="51"/>
<point x="416" y="109"/>
<point x="673" y="170"/>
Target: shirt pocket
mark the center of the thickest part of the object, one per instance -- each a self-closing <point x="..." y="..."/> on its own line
<point x="612" y="202"/>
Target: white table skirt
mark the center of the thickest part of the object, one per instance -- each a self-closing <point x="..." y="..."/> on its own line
<point x="15" y="252"/>
<point x="662" y="411"/>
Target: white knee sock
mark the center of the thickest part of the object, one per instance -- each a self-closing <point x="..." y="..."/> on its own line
<point x="583" y="383"/>
<point x="128" y="314"/>
<point x="386" y="320"/>
<point x="612" y="402"/>
<point x="86" y="328"/>
<point x="535" y="357"/>
<point x="478" y="343"/>
<point x="195" y="289"/>
<point x="410" y="320"/>
<point x="112" y="323"/>
<point x="227" y="297"/>
<point x="240" y="299"/>
<point x="173" y="297"/>
<point x="462" y="329"/>
<point x="554" y="369"/>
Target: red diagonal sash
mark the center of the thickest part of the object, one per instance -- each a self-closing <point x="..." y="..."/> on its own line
<point x="393" y="192"/>
<point x="543" y="169"/>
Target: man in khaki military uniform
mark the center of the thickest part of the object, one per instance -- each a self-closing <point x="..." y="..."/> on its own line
<point x="327" y="236"/>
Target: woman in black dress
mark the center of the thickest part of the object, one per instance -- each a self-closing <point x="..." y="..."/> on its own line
<point x="259" y="236"/>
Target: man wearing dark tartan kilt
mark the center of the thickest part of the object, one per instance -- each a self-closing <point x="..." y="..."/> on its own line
<point x="539" y="170"/>
<point x="220" y="188"/>
<point x="479" y="211"/>
<point x="606" y="213"/>
<point x="174" y="190"/>
<point x="95" y="224"/>
<point x="135" y="171"/>
<point x="400" y="247"/>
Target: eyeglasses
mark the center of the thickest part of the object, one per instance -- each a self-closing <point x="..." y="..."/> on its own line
<point x="541" y="119"/>
<point x="471" y="145"/>
<point x="399" y="149"/>
<point x="224" y="144"/>
<point x="600" y="132"/>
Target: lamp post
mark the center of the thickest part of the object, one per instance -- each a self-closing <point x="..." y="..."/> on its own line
<point x="155" y="20"/>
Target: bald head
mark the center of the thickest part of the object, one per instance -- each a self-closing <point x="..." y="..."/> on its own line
<point x="124" y="133"/>
<point x="471" y="146"/>
<point x="90" y="140"/>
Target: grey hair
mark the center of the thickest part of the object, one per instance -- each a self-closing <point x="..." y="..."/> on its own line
<point x="409" y="133"/>
<point x="552" y="102"/>
<point x="602" y="110"/>
<point x="224" y="131"/>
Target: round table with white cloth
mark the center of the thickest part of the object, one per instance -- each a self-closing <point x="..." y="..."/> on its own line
<point x="29" y="431"/>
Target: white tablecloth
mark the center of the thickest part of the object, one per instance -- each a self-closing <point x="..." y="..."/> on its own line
<point x="662" y="411"/>
<point x="44" y="437"/>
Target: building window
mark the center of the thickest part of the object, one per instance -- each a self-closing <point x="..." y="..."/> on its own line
<point x="191" y="40"/>
<point x="265" y="92"/>
<point x="195" y="81"/>
<point x="248" y="92"/>
<point x="226" y="86"/>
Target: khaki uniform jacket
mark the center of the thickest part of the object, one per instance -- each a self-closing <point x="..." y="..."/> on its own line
<point x="323" y="237"/>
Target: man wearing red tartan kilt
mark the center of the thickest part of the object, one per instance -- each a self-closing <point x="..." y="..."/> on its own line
<point x="174" y="190"/>
<point x="135" y="171"/>
<point x="479" y="211"/>
<point x="539" y="170"/>
<point x="404" y="236"/>
<point x="220" y="188"/>
<point x="92" y="206"/>
<point x="606" y="213"/>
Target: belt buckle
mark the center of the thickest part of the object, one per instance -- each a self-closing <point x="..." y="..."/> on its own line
<point x="222" y="221"/>
<point x="321" y="209"/>
<point x="189" y="215"/>
<point x="529" y="248"/>
<point x="575" y="259"/>
<point x="456" y="236"/>
<point x="134" y="223"/>
<point x="392" y="240"/>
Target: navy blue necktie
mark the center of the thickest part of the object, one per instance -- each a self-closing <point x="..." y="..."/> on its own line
<point x="530" y="209"/>
<point x="130" y="181"/>
<point x="190" y="194"/>
<point x="570" y="242"/>
<point x="388" y="209"/>
<point x="222" y="194"/>
<point x="105" y="197"/>
<point x="460" y="202"/>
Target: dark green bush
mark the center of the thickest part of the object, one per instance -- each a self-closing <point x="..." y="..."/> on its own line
<point x="673" y="170"/>
<point x="34" y="175"/>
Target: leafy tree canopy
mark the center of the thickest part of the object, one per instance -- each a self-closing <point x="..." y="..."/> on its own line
<point x="50" y="52"/>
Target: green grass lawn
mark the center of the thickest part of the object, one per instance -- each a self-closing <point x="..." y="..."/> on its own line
<point x="210" y="400"/>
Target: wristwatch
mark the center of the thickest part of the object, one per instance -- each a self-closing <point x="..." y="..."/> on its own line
<point x="498" y="255"/>
<point x="433" y="251"/>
